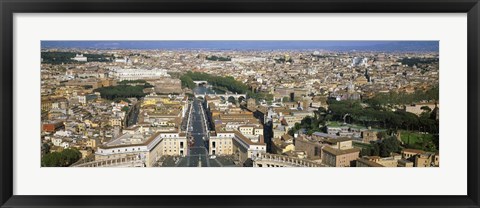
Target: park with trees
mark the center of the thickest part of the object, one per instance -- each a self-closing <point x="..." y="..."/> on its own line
<point x="417" y="131"/>
<point x="58" y="57"/>
<point x="417" y="61"/>
<point x="124" y="89"/>
<point x="64" y="158"/>
<point x="218" y="58"/>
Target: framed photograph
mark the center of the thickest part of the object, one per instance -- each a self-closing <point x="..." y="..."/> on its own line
<point x="269" y="103"/>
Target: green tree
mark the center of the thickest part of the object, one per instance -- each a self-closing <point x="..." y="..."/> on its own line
<point x="122" y="91"/>
<point x="61" y="159"/>
<point x="366" y="151"/>
<point x="389" y="145"/>
<point x="71" y="156"/>
<point x="53" y="159"/>
<point x="375" y="151"/>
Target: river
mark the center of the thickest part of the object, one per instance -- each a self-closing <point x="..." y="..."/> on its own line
<point x="203" y="90"/>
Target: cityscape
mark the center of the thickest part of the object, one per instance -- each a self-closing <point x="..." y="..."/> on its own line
<point x="239" y="103"/>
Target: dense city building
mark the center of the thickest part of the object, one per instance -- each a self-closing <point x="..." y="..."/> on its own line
<point x="240" y="108"/>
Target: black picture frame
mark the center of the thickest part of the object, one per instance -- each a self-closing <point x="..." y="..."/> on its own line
<point x="10" y="7"/>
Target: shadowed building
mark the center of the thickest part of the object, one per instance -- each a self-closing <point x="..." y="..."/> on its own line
<point x="340" y="158"/>
<point x="340" y="153"/>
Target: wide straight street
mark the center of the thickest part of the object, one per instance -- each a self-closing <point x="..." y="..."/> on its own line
<point x="198" y="153"/>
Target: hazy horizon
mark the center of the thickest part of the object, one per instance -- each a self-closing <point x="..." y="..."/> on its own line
<point x="387" y="46"/>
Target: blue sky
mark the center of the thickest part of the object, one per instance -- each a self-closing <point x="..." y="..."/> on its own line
<point x="251" y="45"/>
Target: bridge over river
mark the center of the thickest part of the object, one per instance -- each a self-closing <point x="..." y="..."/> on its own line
<point x="225" y="96"/>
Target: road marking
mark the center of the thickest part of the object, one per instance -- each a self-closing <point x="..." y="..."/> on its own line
<point x="208" y="161"/>
<point x="218" y="162"/>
